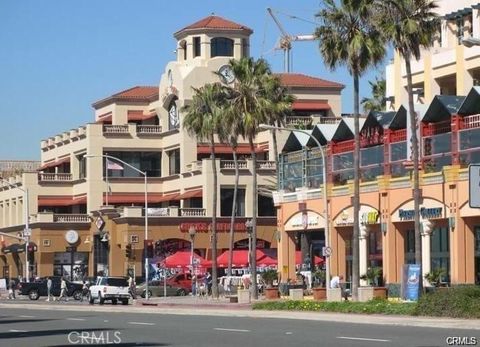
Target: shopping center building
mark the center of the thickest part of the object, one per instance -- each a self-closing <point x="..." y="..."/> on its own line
<point x="448" y="109"/>
<point x="75" y="236"/>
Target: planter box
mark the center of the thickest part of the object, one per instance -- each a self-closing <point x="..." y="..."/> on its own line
<point x="369" y="293"/>
<point x="334" y="294"/>
<point x="296" y="294"/>
<point x="271" y="293"/>
<point x="319" y="293"/>
<point x="243" y="296"/>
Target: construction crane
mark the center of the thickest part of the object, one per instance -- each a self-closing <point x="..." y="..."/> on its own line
<point x="286" y="40"/>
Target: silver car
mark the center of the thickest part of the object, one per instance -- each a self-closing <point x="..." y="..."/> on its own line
<point x="155" y="288"/>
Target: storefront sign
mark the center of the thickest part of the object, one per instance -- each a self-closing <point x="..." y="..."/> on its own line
<point x="203" y="227"/>
<point x="425" y="213"/>
<point x="370" y="217"/>
<point x="305" y="220"/>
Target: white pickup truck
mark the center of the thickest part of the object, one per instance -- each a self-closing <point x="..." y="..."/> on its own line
<point x="109" y="288"/>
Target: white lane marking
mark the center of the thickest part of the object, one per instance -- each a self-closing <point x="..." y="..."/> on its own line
<point x="288" y="333"/>
<point x="105" y="321"/>
<point x="141" y="323"/>
<point x="17" y="331"/>
<point x="76" y="319"/>
<point x="24" y="316"/>
<point x="361" y="339"/>
<point x="235" y="330"/>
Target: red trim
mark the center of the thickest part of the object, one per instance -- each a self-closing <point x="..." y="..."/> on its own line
<point x="61" y="200"/>
<point x="54" y="163"/>
<point x="139" y="115"/>
<point x="197" y="193"/>
<point x="342" y="147"/>
<point x="302" y="105"/>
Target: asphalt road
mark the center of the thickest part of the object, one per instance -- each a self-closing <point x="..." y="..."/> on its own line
<point x="44" y="327"/>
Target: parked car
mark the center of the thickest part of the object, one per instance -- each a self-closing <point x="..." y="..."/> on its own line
<point x="183" y="280"/>
<point x="109" y="288"/>
<point x="155" y="288"/>
<point x="38" y="288"/>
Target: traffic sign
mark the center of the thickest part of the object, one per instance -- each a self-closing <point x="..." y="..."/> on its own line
<point x="326" y="251"/>
<point x="474" y="185"/>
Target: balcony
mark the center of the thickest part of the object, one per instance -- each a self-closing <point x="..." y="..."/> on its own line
<point x="71" y="218"/>
<point x="266" y="165"/>
<point x="149" y="129"/>
<point x="230" y="164"/>
<point x="54" y="177"/>
<point x="298" y="121"/>
<point x="109" y="129"/>
<point x="192" y="212"/>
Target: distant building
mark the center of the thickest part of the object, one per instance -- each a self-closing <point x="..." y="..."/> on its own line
<point x="17" y="167"/>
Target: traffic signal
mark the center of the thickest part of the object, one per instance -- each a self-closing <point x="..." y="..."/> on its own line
<point x="158" y="247"/>
<point x="31" y="249"/>
<point x="148" y="246"/>
<point x="128" y="251"/>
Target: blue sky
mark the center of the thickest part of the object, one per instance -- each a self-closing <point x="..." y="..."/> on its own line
<point x="57" y="57"/>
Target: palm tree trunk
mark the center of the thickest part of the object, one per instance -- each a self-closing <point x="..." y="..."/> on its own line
<point x="416" y="178"/>
<point x="356" y="190"/>
<point x="253" y="259"/>
<point x="234" y="207"/>
<point x="214" y="220"/>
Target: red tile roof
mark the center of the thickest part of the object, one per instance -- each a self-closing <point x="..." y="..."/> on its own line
<point x="138" y="93"/>
<point x="214" y="22"/>
<point x="300" y="80"/>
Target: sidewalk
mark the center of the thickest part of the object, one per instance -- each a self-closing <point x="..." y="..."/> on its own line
<point x="192" y="302"/>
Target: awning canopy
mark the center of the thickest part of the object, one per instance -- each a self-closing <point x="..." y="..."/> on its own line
<point x="240" y="259"/>
<point x="54" y="163"/>
<point x="181" y="259"/>
<point x="169" y="197"/>
<point x="310" y="105"/>
<point x="197" y="193"/>
<point x="61" y="200"/>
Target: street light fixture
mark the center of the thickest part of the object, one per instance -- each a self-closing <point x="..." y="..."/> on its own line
<point x="471" y="41"/>
<point x="26" y="232"/>
<point x="192" y="231"/>
<point x="144" y="173"/>
<point x="325" y="199"/>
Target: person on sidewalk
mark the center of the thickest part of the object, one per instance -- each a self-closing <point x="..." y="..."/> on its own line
<point x="49" y="288"/>
<point x="63" y="290"/>
<point x="11" y="289"/>
<point x="84" y="291"/>
<point x="337" y="282"/>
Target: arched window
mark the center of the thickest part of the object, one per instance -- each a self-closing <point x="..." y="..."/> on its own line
<point x="221" y="47"/>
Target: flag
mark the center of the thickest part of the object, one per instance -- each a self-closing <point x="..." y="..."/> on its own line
<point x="113" y="166"/>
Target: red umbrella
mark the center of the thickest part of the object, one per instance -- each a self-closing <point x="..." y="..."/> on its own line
<point x="240" y="258"/>
<point x="298" y="259"/>
<point x="182" y="259"/>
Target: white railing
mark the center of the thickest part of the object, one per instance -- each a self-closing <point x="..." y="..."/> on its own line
<point x="55" y="177"/>
<point x="472" y="121"/>
<point x="291" y="121"/>
<point x="192" y="212"/>
<point x="265" y="165"/>
<point x="149" y="129"/>
<point x="329" y="120"/>
<point x="115" y="129"/>
<point x="71" y="218"/>
<point x="230" y="164"/>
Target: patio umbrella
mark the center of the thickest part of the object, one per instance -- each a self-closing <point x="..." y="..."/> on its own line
<point x="181" y="259"/>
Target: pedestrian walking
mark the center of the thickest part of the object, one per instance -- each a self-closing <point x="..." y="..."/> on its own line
<point x="11" y="289"/>
<point x="84" y="290"/>
<point x="49" y="288"/>
<point x="132" y="287"/>
<point x="63" y="290"/>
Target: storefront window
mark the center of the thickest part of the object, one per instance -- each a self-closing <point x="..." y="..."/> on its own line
<point x="409" y="242"/>
<point x="398" y="154"/>
<point x="226" y="202"/>
<point x="314" y="169"/>
<point x="342" y="168"/>
<point x="72" y="265"/>
<point x="440" y="251"/>
<point x="468" y="157"/>
<point x="292" y="171"/>
<point x="375" y="255"/>
<point x="469" y="139"/>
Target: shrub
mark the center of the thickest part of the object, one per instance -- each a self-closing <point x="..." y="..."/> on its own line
<point x="456" y="302"/>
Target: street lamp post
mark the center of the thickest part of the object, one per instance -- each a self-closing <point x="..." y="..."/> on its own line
<point x="325" y="199"/>
<point x="144" y="173"/>
<point x="251" y="248"/>
<point x="192" y="231"/>
<point x="471" y="41"/>
<point x="26" y="232"/>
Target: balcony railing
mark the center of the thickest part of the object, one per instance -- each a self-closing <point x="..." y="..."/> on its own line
<point x="470" y="122"/>
<point x="265" y="165"/>
<point x="192" y="212"/>
<point x="230" y="164"/>
<point x="109" y="129"/>
<point x="55" y="177"/>
<point x="149" y="129"/>
<point x="71" y="218"/>
<point x="292" y="121"/>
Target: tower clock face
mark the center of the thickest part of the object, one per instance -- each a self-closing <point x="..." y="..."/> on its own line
<point x="173" y="116"/>
<point x="226" y="74"/>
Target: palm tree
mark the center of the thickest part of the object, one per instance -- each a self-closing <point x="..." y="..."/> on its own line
<point x="347" y="37"/>
<point x="378" y="101"/>
<point x="202" y="118"/>
<point x="410" y="25"/>
<point x="252" y="106"/>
